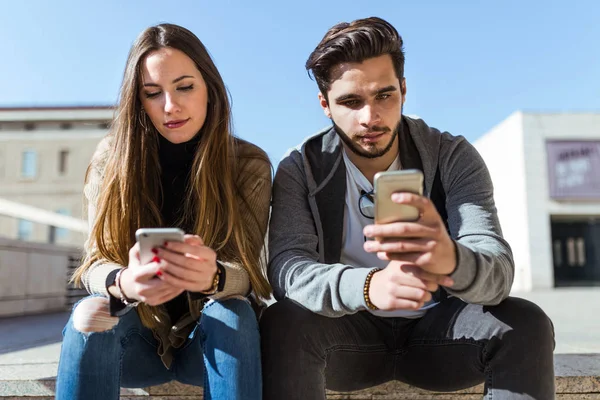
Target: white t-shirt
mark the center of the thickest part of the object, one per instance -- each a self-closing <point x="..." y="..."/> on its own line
<point x="353" y="253"/>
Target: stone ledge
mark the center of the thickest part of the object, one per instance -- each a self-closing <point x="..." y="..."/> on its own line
<point x="577" y="377"/>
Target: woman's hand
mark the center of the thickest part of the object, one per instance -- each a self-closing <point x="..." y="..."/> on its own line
<point x="189" y="265"/>
<point x="140" y="282"/>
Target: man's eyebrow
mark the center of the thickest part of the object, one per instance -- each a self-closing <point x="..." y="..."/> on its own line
<point x="349" y="96"/>
<point x="174" y="81"/>
<point x="390" y="88"/>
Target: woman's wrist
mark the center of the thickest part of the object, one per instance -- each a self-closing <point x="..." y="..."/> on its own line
<point x="218" y="281"/>
<point x="111" y="286"/>
<point x="214" y="287"/>
<point x="123" y="296"/>
<point x="114" y="287"/>
<point x="117" y="307"/>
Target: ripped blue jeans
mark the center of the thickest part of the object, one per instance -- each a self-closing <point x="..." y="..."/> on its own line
<point x="222" y="354"/>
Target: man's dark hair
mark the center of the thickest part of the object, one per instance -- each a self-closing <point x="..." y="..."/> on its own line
<point x="355" y="42"/>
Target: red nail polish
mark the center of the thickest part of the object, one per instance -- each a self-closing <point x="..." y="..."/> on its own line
<point x="159" y="273"/>
<point x="156" y="259"/>
<point x="155" y="250"/>
<point x="165" y="244"/>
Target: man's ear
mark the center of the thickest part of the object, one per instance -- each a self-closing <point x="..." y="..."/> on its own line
<point x="324" y="105"/>
<point x="403" y="90"/>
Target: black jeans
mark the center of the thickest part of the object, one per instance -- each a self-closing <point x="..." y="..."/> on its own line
<point x="454" y="346"/>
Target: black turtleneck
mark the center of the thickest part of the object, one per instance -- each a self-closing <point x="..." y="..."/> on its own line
<point x="176" y="163"/>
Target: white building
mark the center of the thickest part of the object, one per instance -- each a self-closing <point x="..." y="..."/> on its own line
<point x="44" y="154"/>
<point x="546" y="174"/>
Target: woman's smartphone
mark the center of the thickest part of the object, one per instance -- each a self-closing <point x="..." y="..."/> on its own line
<point x="149" y="238"/>
<point x="388" y="182"/>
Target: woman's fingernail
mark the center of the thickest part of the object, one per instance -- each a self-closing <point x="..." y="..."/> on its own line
<point x="165" y="244"/>
<point x="159" y="273"/>
<point x="156" y="259"/>
<point x="155" y="250"/>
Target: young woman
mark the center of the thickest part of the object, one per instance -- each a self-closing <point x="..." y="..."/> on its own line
<point x="170" y="160"/>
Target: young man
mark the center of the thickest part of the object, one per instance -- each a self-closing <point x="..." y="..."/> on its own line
<point x="425" y="302"/>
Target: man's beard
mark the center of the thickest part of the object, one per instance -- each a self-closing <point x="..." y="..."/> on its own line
<point x="359" y="151"/>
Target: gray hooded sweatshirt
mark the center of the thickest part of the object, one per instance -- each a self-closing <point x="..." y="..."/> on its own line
<point x="307" y="221"/>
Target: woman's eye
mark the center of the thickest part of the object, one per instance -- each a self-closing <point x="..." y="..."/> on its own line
<point x="151" y="95"/>
<point x="186" y="88"/>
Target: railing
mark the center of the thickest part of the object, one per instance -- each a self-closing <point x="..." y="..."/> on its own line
<point x="34" y="276"/>
<point x="34" y="214"/>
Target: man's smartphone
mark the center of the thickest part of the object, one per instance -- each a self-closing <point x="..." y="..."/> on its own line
<point x="149" y="238"/>
<point x="388" y="182"/>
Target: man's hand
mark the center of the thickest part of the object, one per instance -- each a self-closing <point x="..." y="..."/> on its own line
<point x="424" y="243"/>
<point x="403" y="286"/>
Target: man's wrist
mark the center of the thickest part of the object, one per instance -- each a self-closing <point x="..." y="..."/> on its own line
<point x="366" y="289"/>
<point x="447" y="264"/>
<point x="455" y="258"/>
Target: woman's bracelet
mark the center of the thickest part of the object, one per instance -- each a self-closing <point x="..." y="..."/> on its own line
<point x="370" y="305"/>
<point x="124" y="299"/>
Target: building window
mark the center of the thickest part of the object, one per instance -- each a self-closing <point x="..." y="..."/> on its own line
<point x="29" y="126"/>
<point x="51" y="234"/>
<point x="29" y="164"/>
<point x="103" y="125"/>
<point x="571" y="252"/>
<point x="580" y="245"/>
<point x="25" y="229"/>
<point x="63" y="158"/>
<point x="558" y="253"/>
<point x="62" y="233"/>
<point x="576" y="252"/>
<point x="66" y="126"/>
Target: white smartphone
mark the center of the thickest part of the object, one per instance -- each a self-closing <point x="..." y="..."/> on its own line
<point x="149" y="238"/>
<point x="388" y="182"/>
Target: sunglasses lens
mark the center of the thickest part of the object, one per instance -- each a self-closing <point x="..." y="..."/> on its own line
<point x="367" y="208"/>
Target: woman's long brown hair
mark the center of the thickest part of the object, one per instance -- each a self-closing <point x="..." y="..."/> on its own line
<point x="130" y="190"/>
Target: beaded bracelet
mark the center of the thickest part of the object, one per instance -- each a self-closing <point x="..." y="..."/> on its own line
<point x="124" y="299"/>
<point x="370" y="305"/>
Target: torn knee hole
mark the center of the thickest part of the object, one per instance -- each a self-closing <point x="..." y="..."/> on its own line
<point x="93" y="315"/>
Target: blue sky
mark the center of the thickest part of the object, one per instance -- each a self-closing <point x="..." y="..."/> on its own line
<point x="469" y="64"/>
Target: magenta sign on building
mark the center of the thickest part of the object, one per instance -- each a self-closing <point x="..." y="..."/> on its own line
<point x="574" y="169"/>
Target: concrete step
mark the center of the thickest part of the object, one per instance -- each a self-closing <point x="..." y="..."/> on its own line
<point x="577" y="377"/>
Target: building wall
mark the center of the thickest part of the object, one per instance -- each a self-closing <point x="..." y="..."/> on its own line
<point x="538" y="128"/>
<point x="34" y="277"/>
<point x="49" y="189"/>
<point x="504" y="154"/>
<point x="515" y="153"/>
